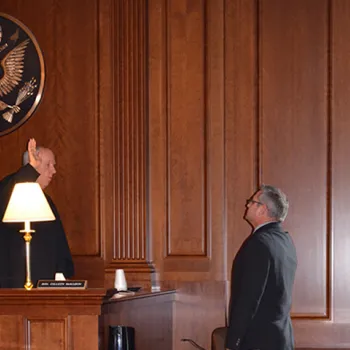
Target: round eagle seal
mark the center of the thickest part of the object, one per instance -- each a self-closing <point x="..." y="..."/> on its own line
<point x="22" y="74"/>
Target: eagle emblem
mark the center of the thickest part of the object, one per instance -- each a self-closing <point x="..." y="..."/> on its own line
<point x="19" y="82"/>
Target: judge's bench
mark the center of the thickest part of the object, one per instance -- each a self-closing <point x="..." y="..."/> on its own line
<point x="49" y="319"/>
<point x="80" y="319"/>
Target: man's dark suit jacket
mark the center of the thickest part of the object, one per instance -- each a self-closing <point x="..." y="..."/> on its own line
<point x="261" y="291"/>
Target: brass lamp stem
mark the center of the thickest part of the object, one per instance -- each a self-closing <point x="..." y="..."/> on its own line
<point x="27" y="238"/>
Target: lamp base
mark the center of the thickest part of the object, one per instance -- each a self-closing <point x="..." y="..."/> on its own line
<point x="28" y="285"/>
<point x="27" y="237"/>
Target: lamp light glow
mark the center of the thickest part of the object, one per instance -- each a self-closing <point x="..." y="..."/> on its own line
<point x="28" y="204"/>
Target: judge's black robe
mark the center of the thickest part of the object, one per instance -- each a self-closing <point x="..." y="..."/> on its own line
<point x="50" y="252"/>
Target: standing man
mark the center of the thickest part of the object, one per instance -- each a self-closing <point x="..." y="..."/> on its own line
<point x="262" y="278"/>
<point x="50" y="252"/>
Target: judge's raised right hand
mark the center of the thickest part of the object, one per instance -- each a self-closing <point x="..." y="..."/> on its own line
<point x="33" y="154"/>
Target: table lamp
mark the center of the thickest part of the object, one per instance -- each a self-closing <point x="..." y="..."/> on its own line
<point x="28" y="204"/>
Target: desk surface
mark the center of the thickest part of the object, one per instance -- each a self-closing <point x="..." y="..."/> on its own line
<point x="17" y="299"/>
<point x="42" y="293"/>
<point x="138" y="295"/>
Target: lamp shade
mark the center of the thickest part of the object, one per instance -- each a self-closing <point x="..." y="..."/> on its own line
<point x="28" y="203"/>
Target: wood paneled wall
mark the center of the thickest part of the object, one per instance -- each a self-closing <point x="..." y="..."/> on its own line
<point x="286" y="125"/>
<point x="68" y="119"/>
<point x="165" y="115"/>
<point x="186" y="157"/>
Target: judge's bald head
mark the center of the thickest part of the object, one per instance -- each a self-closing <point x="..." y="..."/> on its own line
<point x="46" y="167"/>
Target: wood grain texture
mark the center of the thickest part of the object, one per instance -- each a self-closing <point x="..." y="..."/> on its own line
<point x="186" y="135"/>
<point x="81" y="324"/>
<point x="107" y="128"/>
<point x="186" y="129"/>
<point x="75" y="119"/>
<point x="196" y="302"/>
<point x="334" y="333"/>
<point x="241" y="76"/>
<point x="43" y="334"/>
<point x="12" y="335"/>
<point x="150" y="314"/>
<point x="293" y="135"/>
<point x="56" y="320"/>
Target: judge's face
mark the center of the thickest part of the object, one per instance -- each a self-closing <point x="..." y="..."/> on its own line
<point x="46" y="168"/>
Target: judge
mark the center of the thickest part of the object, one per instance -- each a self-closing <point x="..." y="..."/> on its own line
<point x="50" y="252"/>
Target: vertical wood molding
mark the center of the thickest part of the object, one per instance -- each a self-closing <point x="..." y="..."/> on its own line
<point x="157" y="126"/>
<point x="130" y="135"/>
<point x="340" y="104"/>
<point x="107" y="129"/>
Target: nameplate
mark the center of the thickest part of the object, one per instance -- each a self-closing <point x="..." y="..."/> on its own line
<point x="49" y="284"/>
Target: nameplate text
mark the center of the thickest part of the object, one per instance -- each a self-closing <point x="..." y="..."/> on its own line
<point x="49" y="284"/>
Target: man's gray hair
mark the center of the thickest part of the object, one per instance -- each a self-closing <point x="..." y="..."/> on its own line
<point x="25" y="157"/>
<point x="275" y="200"/>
